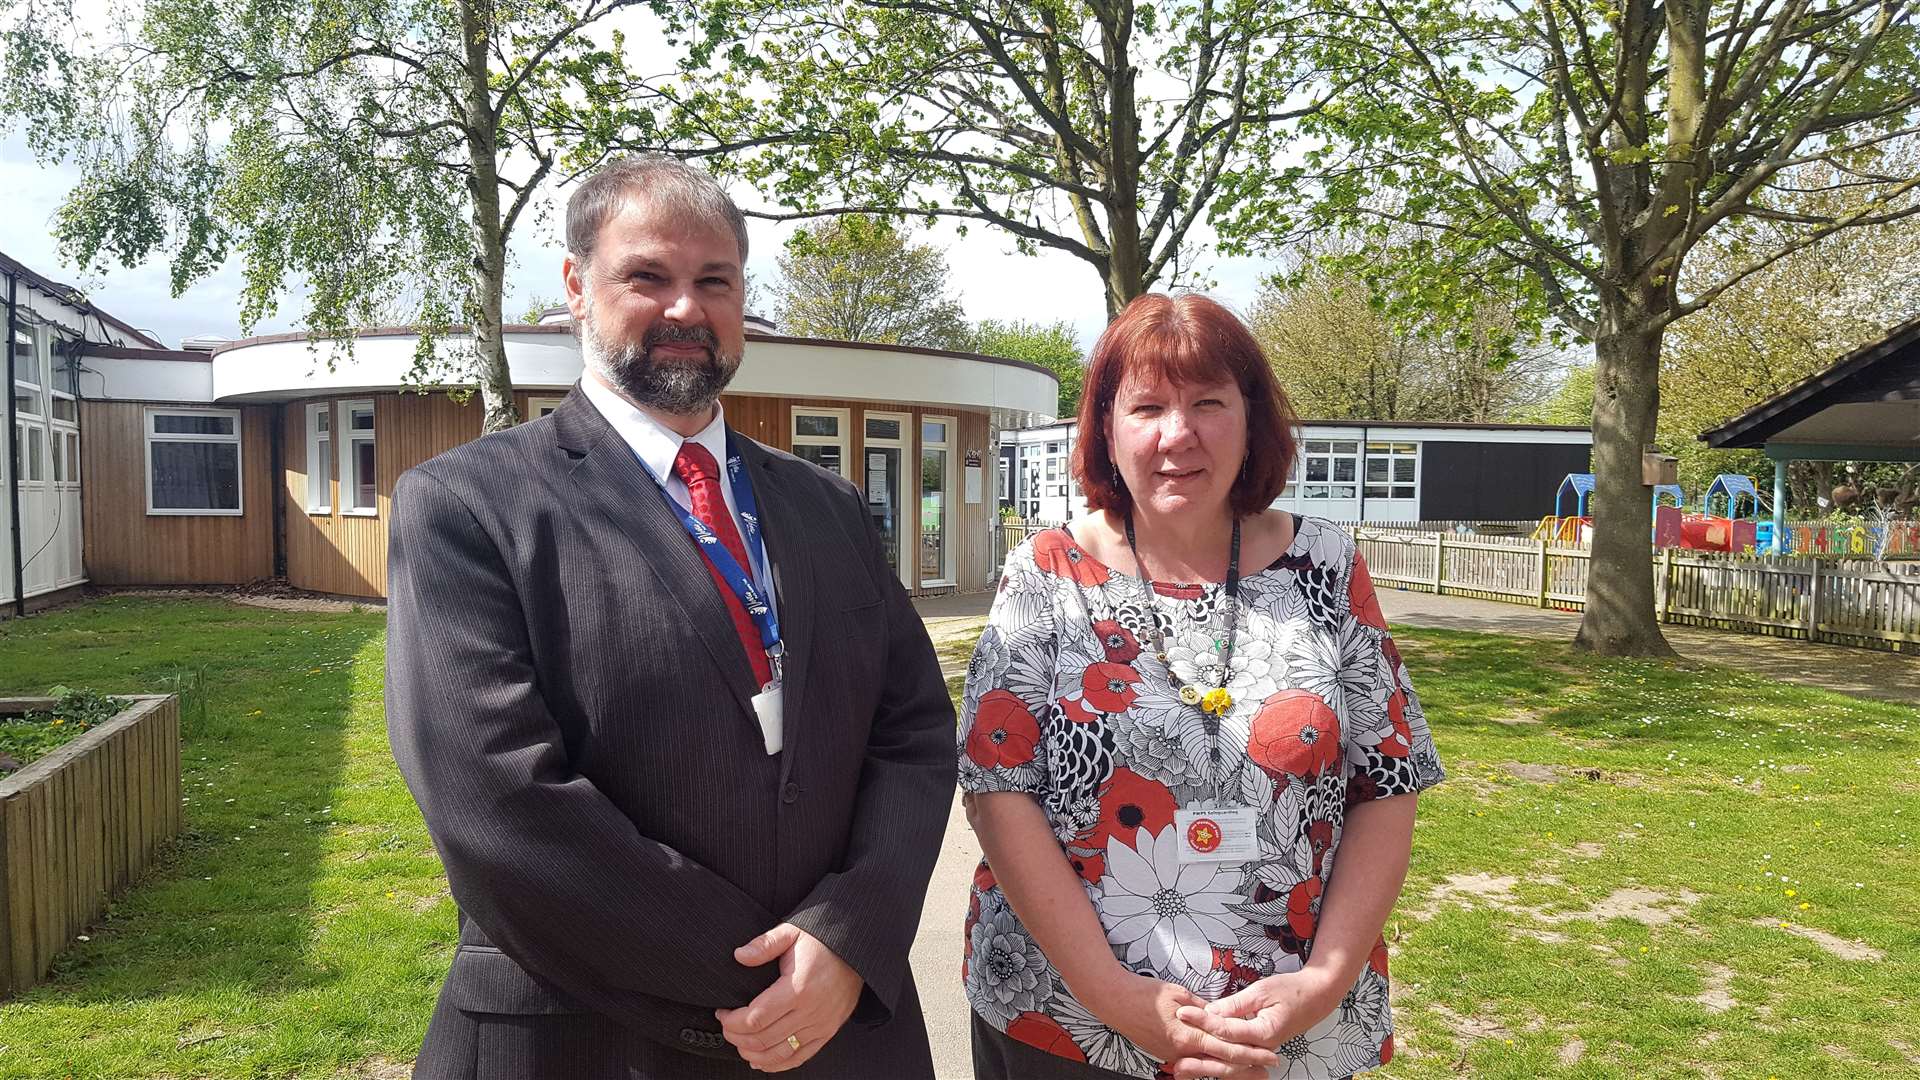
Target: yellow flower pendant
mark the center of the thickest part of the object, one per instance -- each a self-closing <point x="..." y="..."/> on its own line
<point x="1217" y="701"/>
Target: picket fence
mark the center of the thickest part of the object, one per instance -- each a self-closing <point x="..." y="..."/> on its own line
<point x="1853" y="602"/>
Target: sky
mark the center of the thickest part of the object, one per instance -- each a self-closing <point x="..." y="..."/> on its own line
<point x="991" y="280"/>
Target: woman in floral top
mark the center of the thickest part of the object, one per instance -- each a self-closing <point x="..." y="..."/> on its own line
<point x="1164" y="776"/>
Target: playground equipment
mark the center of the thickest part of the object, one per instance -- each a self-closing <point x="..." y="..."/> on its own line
<point x="1575" y="527"/>
<point x="1730" y="531"/>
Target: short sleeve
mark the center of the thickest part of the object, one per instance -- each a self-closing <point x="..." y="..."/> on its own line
<point x="1010" y="683"/>
<point x="1389" y="748"/>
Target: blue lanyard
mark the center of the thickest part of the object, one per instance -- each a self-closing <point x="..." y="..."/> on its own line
<point x="730" y="570"/>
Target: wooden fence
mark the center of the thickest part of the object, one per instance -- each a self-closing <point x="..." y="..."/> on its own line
<point x="80" y="824"/>
<point x="1853" y="603"/>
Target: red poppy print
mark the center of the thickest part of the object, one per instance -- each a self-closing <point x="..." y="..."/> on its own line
<point x="1109" y="687"/>
<point x="1377" y="960"/>
<point x="983" y="878"/>
<point x="1118" y="641"/>
<point x="1303" y="908"/>
<point x="1386" y="1049"/>
<point x="1056" y="553"/>
<point x="1294" y="734"/>
<point x="1361" y="597"/>
<point x="1129" y="803"/>
<point x="1320" y="838"/>
<point x="1076" y="708"/>
<point x="1399" y="743"/>
<point x="1004" y="732"/>
<point x="1043" y="1031"/>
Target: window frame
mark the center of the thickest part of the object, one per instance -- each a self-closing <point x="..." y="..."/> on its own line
<point x="236" y="440"/>
<point x="1395" y="452"/>
<point x="345" y="439"/>
<point x="534" y="405"/>
<point x="316" y="410"/>
<point x="844" y="441"/>
<point x="1326" y="490"/>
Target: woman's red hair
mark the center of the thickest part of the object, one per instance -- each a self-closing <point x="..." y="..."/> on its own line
<point x="1185" y="340"/>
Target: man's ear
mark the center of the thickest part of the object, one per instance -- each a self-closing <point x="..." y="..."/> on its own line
<point x="573" y="277"/>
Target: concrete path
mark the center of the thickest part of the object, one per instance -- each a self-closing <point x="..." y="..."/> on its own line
<point x="1868" y="673"/>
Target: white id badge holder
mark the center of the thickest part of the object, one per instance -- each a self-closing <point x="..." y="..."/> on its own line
<point x="1223" y="834"/>
<point x="767" y="709"/>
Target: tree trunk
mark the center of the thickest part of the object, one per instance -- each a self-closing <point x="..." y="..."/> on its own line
<point x="1619" y="619"/>
<point x="489" y="240"/>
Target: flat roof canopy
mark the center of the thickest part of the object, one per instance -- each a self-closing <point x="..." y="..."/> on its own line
<point x="1864" y="407"/>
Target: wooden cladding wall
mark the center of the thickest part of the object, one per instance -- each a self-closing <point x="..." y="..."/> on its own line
<point x="124" y="545"/>
<point x="346" y="554"/>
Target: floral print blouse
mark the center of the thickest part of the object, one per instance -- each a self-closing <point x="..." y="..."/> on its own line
<point x="1066" y="702"/>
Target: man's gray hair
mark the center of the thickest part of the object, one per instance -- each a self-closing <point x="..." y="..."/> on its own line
<point x="685" y="193"/>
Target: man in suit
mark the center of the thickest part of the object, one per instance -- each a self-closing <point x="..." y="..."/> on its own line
<point x="681" y="741"/>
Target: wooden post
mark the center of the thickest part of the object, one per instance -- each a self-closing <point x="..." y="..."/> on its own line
<point x="1666" y="584"/>
<point x="1439" y="561"/>
<point x="1813" y="602"/>
<point x="1544" y="577"/>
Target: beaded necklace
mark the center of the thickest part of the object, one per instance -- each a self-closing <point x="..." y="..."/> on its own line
<point x="1212" y="700"/>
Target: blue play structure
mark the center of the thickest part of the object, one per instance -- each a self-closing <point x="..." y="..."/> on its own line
<point x="1580" y="484"/>
<point x="1679" y="494"/>
<point x="1733" y="487"/>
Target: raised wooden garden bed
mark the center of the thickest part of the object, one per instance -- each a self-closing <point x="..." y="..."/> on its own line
<point x="80" y="824"/>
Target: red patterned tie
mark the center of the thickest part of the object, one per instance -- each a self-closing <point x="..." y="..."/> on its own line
<point x="696" y="467"/>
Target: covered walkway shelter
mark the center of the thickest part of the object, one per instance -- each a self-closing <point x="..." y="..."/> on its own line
<point x="1864" y="407"/>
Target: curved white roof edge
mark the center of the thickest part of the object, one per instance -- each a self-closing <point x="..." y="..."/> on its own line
<point x="285" y="366"/>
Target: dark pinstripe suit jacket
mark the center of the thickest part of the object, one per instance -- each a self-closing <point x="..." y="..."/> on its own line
<point x="570" y="705"/>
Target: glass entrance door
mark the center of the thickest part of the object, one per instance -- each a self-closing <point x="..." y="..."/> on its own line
<point x="883" y="474"/>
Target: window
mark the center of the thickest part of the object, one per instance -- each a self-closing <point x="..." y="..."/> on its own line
<point x="936" y="501"/>
<point x="193" y="461"/>
<point x="29" y="397"/>
<point x="30" y="447"/>
<point x="72" y="441"/>
<point x="1392" y="470"/>
<point x="820" y="436"/>
<point x="542" y="406"/>
<point x="884" y="428"/>
<point x="320" y="458"/>
<point x="357" y="488"/>
<point x="1329" y="469"/>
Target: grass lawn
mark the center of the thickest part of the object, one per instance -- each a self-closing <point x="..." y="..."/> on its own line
<point x="1598" y="890"/>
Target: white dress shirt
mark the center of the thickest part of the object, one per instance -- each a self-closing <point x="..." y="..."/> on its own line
<point x="658" y="447"/>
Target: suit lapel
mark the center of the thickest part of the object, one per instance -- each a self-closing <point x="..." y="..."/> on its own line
<point x="634" y="508"/>
<point x="785" y="527"/>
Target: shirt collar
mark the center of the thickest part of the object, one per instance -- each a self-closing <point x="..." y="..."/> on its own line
<point x="656" y="445"/>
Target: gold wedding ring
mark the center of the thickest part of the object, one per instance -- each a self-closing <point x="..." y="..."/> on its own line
<point x="794" y="1042"/>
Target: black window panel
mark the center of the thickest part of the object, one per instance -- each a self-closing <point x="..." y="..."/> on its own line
<point x="196" y="476"/>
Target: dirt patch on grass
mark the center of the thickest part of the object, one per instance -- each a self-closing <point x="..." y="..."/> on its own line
<point x="1469" y="1027"/>
<point x="1526" y="718"/>
<point x="1496" y="890"/>
<point x="1717" y="997"/>
<point x="1538" y="774"/>
<point x="1587" y="849"/>
<point x="1644" y="906"/>
<point x="381" y="1069"/>
<point x="1838" y="946"/>
<point x="1648" y="907"/>
<point x="1572" y="1052"/>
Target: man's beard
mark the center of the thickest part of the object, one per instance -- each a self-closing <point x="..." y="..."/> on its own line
<point x="683" y="387"/>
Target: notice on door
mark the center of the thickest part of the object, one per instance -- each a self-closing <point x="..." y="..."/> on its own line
<point x="973" y="477"/>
